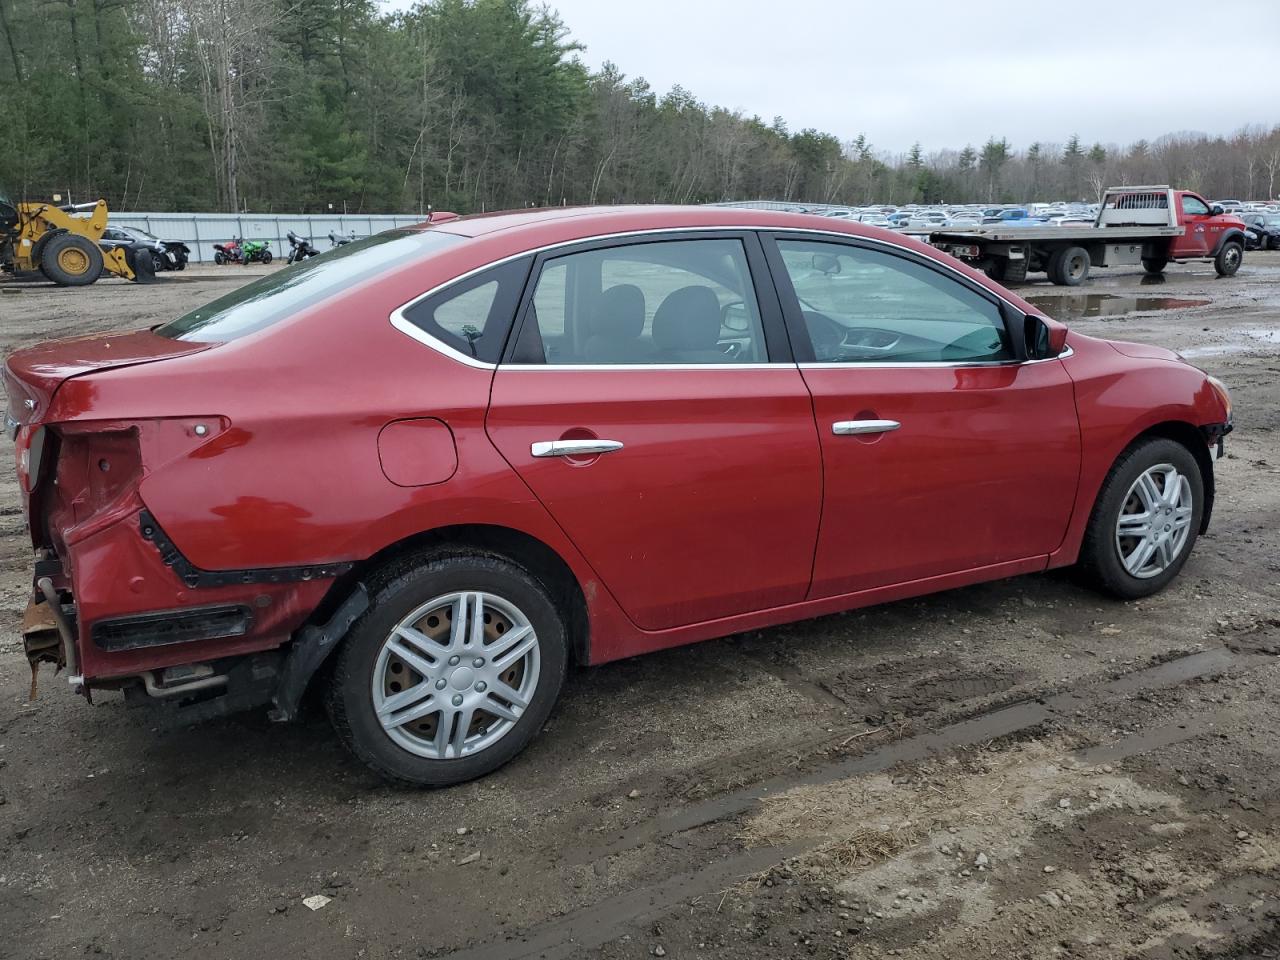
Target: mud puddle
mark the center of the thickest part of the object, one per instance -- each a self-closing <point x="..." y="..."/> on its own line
<point x="1078" y="305"/>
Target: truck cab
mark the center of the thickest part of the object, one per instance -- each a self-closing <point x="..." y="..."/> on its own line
<point x="1204" y="225"/>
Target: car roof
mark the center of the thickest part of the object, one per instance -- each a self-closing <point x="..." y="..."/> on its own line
<point x="594" y="221"/>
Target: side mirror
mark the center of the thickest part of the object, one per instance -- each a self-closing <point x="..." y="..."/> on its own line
<point x="1217" y="210"/>
<point x="1045" y="338"/>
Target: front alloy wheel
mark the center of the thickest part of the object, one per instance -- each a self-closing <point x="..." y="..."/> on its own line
<point x="1145" y="520"/>
<point x="1155" y="521"/>
<point x="451" y="671"/>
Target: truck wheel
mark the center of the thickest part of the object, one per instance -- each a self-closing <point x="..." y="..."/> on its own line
<point x="451" y="671"/>
<point x="1069" y="267"/>
<point x="71" y="260"/>
<point x="994" y="267"/>
<point x="1015" y="271"/>
<point x="1154" y="265"/>
<point x="1228" y="260"/>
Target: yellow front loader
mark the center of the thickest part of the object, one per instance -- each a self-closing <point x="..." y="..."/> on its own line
<point x="62" y="243"/>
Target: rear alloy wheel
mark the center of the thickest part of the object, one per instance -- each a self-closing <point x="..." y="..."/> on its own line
<point x="451" y="672"/>
<point x="1229" y="258"/>
<point x="1145" y="521"/>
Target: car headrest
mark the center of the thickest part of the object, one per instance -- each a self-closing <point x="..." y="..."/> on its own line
<point x="620" y="315"/>
<point x="688" y="319"/>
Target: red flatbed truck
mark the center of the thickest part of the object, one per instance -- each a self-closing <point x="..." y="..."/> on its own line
<point x="1148" y="225"/>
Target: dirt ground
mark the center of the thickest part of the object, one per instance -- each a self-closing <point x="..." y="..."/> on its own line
<point x="1020" y="769"/>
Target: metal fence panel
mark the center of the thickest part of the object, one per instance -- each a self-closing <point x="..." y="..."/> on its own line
<point x="200" y="231"/>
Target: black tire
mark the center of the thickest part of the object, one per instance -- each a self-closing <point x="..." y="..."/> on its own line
<point x="219" y="258"/>
<point x="1100" y="559"/>
<point x="266" y="256"/>
<point x="1154" y="265"/>
<point x="1273" y="243"/>
<point x="71" y="260"/>
<point x="412" y="584"/>
<point x="1015" y="271"/>
<point x="994" y="267"/>
<point x="1229" y="258"/>
<point x="1069" y="267"/>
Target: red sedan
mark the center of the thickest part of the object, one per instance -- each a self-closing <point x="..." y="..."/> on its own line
<point x="444" y="462"/>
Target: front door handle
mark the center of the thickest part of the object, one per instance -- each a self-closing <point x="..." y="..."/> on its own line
<point x="848" y="428"/>
<point x="573" y="448"/>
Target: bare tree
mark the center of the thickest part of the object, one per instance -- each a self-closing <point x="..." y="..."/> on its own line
<point x="231" y="39"/>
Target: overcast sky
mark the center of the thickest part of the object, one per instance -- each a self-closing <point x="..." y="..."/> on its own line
<point x="949" y="73"/>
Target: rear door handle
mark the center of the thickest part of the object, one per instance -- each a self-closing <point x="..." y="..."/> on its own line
<point x="847" y="428"/>
<point x="573" y="448"/>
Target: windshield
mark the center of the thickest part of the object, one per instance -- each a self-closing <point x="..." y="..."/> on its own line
<point x="140" y="233"/>
<point x="285" y="292"/>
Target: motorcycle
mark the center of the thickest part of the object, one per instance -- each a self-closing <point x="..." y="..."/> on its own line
<point x="255" y="251"/>
<point x="228" y="252"/>
<point x="338" y="240"/>
<point x="300" y="249"/>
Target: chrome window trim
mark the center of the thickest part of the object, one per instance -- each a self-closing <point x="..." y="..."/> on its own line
<point x="401" y="323"/>
<point x="931" y="364"/>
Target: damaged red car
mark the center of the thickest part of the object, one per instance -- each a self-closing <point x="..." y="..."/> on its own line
<point x="426" y="472"/>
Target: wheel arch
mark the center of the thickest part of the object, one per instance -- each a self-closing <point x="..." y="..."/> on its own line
<point x="1232" y="233"/>
<point x="541" y="560"/>
<point x="349" y="597"/>
<point x="1193" y="438"/>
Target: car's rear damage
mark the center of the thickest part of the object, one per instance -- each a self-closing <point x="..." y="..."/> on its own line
<point x="115" y="603"/>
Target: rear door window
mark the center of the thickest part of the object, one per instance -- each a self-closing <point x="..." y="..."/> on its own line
<point x="655" y="303"/>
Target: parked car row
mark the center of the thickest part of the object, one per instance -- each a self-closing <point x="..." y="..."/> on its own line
<point x="915" y="218"/>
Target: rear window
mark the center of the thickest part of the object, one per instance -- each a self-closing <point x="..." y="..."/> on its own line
<point x="283" y="293"/>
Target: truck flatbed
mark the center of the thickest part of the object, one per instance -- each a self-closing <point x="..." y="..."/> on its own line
<point x="1005" y="233"/>
<point x="1148" y="225"/>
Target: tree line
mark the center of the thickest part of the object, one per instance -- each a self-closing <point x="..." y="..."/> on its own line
<point x="317" y="105"/>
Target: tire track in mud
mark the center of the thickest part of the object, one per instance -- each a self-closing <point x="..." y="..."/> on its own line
<point x="591" y="926"/>
<point x="997" y="722"/>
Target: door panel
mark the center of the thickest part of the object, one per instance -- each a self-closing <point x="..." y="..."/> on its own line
<point x="941" y="453"/>
<point x="709" y="508"/>
<point x="982" y="469"/>
<point x="691" y="480"/>
<point x="1195" y="240"/>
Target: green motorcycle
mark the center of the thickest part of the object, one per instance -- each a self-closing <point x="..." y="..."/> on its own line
<point x="256" y="251"/>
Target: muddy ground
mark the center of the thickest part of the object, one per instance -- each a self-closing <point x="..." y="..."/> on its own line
<point x="1021" y="769"/>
